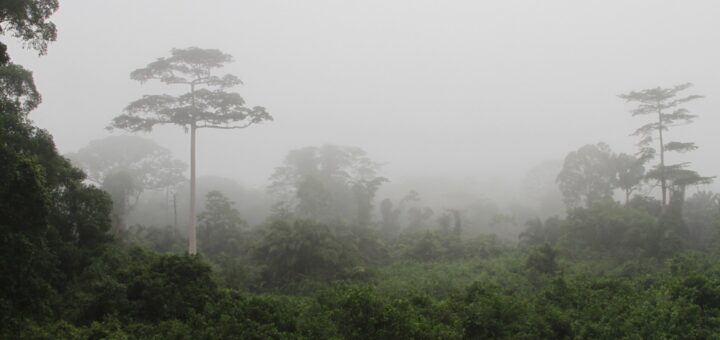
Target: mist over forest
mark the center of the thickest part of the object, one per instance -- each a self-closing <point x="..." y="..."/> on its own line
<point x="345" y="170"/>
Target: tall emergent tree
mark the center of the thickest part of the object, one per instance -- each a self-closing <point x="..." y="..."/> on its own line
<point x="665" y="104"/>
<point x="207" y="104"/>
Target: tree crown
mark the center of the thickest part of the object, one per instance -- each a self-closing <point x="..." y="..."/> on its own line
<point x="666" y="103"/>
<point x="27" y="20"/>
<point x="150" y="164"/>
<point x="207" y="105"/>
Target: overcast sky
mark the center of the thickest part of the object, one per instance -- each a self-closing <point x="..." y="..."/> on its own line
<point x="432" y="88"/>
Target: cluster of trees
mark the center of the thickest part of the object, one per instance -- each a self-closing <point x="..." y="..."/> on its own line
<point x="592" y="173"/>
<point x="51" y="222"/>
<point x="327" y="183"/>
<point x="658" y="228"/>
<point x="125" y="167"/>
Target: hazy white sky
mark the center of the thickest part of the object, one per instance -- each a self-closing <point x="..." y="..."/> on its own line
<point x="432" y="88"/>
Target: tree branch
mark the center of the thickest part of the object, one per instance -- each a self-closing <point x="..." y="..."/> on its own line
<point x="226" y="127"/>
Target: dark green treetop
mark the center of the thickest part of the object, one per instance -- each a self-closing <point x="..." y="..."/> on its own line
<point x="27" y="20"/>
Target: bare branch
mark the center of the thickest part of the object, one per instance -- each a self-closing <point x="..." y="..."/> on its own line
<point x="226" y="127"/>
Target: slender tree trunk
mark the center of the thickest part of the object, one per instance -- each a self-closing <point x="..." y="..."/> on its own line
<point x="192" y="235"/>
<point x="192" y="226"/>
<point x="175" y="210"/>
<point x="119" y="227"/>
<point x="663" y="180"/>
<point x="627" y="197"/>
<point x="167" y="204"/>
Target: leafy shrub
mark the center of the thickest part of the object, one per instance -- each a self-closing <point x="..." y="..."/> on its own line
<point x="301" y="249"/>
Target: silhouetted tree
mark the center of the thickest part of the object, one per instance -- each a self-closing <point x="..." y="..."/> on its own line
<point x="208" y="104"/>
<point x="220" y="226"/>
<point x="665" y="103"/>
<point x="27" y="20"/>
<point x="629" y="172"/>
<point x="391" y="214"/>
<point x="364" y="191"/>
<point x="587" y="175"/>
<point x="326" y="183"/>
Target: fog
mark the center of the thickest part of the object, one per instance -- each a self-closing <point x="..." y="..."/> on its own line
<point x="406" y="169"/>
<point x="456" y="90"/>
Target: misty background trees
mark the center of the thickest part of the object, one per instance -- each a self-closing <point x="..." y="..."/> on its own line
<point x="125" y="166"/>
<point x="592" y="174"/>
<point x="327" y="183"/>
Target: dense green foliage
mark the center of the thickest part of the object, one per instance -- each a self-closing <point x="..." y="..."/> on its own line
<point x="606" y="271"/>
<point x="603" y="271"/>
<point x="518" y="293"/>
<point x="27" y="20"/>
<point x="51" y="223"/>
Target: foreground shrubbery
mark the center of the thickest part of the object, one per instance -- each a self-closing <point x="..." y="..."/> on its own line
<point x="607" y="271"/>
<point x="131" y="293"/>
